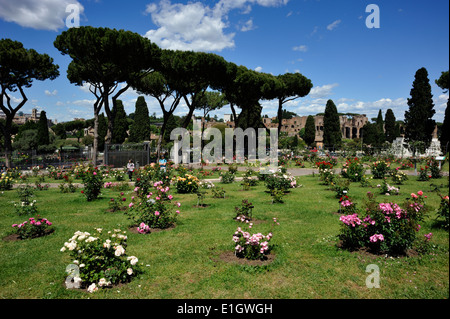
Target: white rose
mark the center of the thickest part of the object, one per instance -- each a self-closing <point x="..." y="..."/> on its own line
<point x="119" y="251"/>
<point x="92" y="288"/>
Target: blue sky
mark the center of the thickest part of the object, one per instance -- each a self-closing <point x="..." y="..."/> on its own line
<point x="362" y="70"/>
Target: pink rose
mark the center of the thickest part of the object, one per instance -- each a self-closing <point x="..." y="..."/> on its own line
<point x="156" y="213"/>
<point x="420" y="193"/>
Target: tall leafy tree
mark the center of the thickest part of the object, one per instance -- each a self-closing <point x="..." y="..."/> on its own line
<point x="140" y="129"/>
<point x="43" y="136"/>
<point x="332" y="135"/>
<point x="389" y="126"/>
<point x="19" y="67"/>
<point x="120" y="123"/>
<point x="419" y="123"/>
<point x="310" y="130"/>
<point x="165" y="86"/>
<point x="105" y="59"/>
<point x="444" y="83"/>
<point x="380" y="129"/>
<point x="290" y="87"/>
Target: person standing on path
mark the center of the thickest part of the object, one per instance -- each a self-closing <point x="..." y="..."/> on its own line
<point x="130" y="169"/>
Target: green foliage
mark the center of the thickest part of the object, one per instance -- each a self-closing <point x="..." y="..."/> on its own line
<point x="383" y="227"/>
<point x="33" y="228"/>
<point x="140" y="129"/>
<point x="280" y="181"/>
<point x="398" y="177"/>
<point x="443" y="211"/>
<point x="6" y="180"/>
<point x="119" y="133"/>
<point x="389" y="126"/>
<point x="419" y="123"/>
<point x="244" y="212"/>
<point x="93" y="183"/>
<point x="227" y="177"/>
<point x="331" y="125"/>
<point x="379" y="169"/>
<point x="310" y="131"/>
<point x="100" y="259"/>
<point x="156" y="209"/>
<point x="188" y="184"/>
<point x="252" y="246"/>
<point x="43" y="136"/>
<point x="353" y="169"/>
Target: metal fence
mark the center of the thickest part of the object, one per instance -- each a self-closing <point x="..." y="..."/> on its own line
<point x="118" y="155"/>
<point x="65" y="157"/>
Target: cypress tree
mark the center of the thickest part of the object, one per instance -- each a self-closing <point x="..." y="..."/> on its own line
<point x="444" y="83"/>
<point x="380" y="129"/>
<point x="419" y="125"/>
<point x="332" y="135"/>
<point x="43" y="137"/>
<point x="140" y="129"/>
<point x="389" y="126"/>
<point x="310" y="130"/>
<point x="120" y="126"/>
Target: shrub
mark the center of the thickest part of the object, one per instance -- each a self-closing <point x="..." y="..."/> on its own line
<point x="187" y="184"/>
<point x="232" y="168"/>
<point x="156" y="209"/>
<point x="218" y="192"/>
<point x="118" y="203"/>
<point x="423" y="174"/>
<point x="252" y="246"/>
<point x="387" y="189"/>
<point x="341" y="187"/>
<point x="353" y="169"/>
<point x="435" y="172"/>
<point x="277" y="195"/>
<point x="347" y="206"/>
<point x="6" y="181"/>
<point x="327" y="175"/>
<point x="227" y="177"/>
<point x="443" y="211"/>
<point x="379" y="169"/>
<point x="280" y="181"/>
<point x="93" y="182"/>
<point x="26" y="208"/>
<point x="32" y="228"/>
<point x="384" y="227"/>
<point x="398" y="177"/>
<point x="100" y="259"/>
<point x="244" y="212"/>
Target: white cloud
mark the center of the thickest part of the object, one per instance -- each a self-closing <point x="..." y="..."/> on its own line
<point x="259" y="69"/>
<point x="248" y="26"/>
<point x="322" y="91"/>
<point x="196" y="26"/>
<point x="48" y="93"/>
<point x="333" y="25"/>
<point x="41" y="15"/>
<point x="301" y="48"/>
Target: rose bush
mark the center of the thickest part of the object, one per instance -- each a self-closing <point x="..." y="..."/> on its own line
<point x="101" y="258"/>
<point x="384" y="227"/>
<point x="157" y="209"/>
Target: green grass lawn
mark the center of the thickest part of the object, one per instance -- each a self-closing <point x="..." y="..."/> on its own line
<point x="186" y="262"/>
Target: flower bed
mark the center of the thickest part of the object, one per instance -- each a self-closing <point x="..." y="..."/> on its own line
<point x="33" y="228"/>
